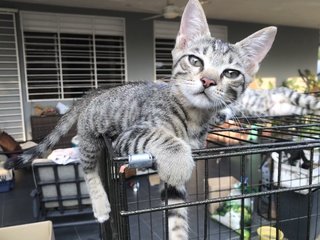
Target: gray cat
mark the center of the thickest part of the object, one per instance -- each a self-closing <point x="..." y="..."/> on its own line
<point x="166" y="120"/>
<point x="274" y="102"/>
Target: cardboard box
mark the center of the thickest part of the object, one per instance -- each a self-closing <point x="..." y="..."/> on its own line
<point x="32" y="231"/>
<point x="220" y="187"/>
<point x="229" y="212"/>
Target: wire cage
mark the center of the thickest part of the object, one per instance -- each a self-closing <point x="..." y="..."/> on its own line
<point x="60" y="194"/>
<point x="257" y="176"/>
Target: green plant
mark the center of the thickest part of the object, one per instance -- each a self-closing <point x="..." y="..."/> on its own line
<point x="311" y="80"/>
<point x="309" y="83"/>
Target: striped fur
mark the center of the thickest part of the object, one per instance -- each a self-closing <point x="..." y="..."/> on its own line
<point x="177" y="218"/>
<point x="166" y="120"/>
<point x="274" y="102"/>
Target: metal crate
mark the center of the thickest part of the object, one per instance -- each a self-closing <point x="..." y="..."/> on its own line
<point x="238" y="149"/>
<point x="60" y="194"/>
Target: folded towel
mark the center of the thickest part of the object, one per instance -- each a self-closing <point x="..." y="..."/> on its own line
<point x="65" y="155"/>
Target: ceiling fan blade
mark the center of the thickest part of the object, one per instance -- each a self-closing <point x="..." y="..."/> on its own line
<point x="202" y="2"/>
<point x="152" y="17"/>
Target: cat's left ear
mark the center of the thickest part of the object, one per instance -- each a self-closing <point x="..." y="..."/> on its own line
<point x="193" y="24"/>
<point x="254" y="48"/>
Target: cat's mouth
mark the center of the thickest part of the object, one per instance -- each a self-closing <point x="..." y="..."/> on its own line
<point x="202" y="92"/>
<point x="205" y="94"/>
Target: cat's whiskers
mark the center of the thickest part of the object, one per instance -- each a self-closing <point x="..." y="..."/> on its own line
<point x="234" y="116"/>
<point x="221" y="99"/>
<point x="242" y="114"/>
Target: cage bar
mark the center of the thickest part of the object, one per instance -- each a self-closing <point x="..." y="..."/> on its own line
<point x="271" y="187"/>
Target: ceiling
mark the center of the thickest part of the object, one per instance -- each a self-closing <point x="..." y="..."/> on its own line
<point x="300" y="13"/>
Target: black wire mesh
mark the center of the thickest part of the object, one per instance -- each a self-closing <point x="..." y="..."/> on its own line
<point x="254" y="172"/>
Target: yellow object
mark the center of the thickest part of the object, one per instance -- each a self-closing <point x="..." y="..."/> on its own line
<point x="263" y="83"/>
<point x="32" y="231"/>
<point x="269" y="233"/>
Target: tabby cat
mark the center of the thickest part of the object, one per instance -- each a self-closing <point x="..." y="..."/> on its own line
<point x="274" y="102"/>
<point x="166" y="120"/>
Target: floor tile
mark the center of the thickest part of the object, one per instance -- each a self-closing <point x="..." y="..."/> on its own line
<point x="17" y="211"/>
<point x="1" y="213"/>
<point x="16" y="208"/>
<point x="88" y="232"/>
<point x="67" y="233"/>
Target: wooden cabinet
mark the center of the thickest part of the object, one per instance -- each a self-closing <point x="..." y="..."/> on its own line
<point x="42" y="126"/>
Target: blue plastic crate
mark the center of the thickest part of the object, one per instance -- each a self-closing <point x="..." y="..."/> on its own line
<point x="6" y="186"/>
<point x="6" y="180"/>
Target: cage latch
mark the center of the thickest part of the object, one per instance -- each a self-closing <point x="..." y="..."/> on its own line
<point x="143" y="160"/>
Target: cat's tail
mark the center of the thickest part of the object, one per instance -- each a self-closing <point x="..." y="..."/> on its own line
<point x="63" y="126"/>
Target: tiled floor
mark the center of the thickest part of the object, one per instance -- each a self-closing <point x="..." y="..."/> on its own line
<point x="16" y="208"/>
<point x="16" y="205"/>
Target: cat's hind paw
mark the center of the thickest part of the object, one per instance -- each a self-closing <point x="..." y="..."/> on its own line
<point x="102" y="219"/>
<point x="101" y="210"/>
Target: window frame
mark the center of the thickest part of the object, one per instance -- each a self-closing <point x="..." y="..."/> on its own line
<point x="94" y="36"/>
<point x="11" y="125"/>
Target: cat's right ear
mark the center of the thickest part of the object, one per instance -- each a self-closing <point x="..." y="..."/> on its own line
<point x="193" y="24"/>
<point x="255" y="47"/>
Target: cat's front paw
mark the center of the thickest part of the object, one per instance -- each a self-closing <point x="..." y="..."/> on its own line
<point x="175" y="169"/>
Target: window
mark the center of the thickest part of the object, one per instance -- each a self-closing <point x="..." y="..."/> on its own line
<point x="163" y="58"/>
<point x="67" y="55"/>
<point x="165" y="34"/>
<point x="11" y="114"/>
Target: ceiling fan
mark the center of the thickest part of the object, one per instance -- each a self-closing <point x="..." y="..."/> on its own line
<point x="171" y="11"/>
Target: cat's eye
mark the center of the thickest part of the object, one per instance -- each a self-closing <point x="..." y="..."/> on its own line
<point x="195" y="61"/>
<point x="231" y="73"/>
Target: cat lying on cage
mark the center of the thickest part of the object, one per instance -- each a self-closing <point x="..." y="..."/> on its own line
<point x="166" y="120"/>
<point x="274" y="102"/>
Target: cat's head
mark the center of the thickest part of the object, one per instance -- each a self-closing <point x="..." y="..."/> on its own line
<point x="211" y="73"/>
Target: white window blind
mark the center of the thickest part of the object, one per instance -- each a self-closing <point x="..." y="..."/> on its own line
<point x="165" y="34"/>
<point x="11" y="113"/>
<point x="67" y="55"/>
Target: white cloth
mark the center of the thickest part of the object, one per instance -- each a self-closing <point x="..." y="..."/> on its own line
<point x="65" y="155"/>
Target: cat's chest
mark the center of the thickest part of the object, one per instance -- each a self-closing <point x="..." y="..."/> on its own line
<point x="197" y="128"/>
<point x="196" y="136"/>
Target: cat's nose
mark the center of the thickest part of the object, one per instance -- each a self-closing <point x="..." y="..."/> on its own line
<point x="207" y="82"/>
